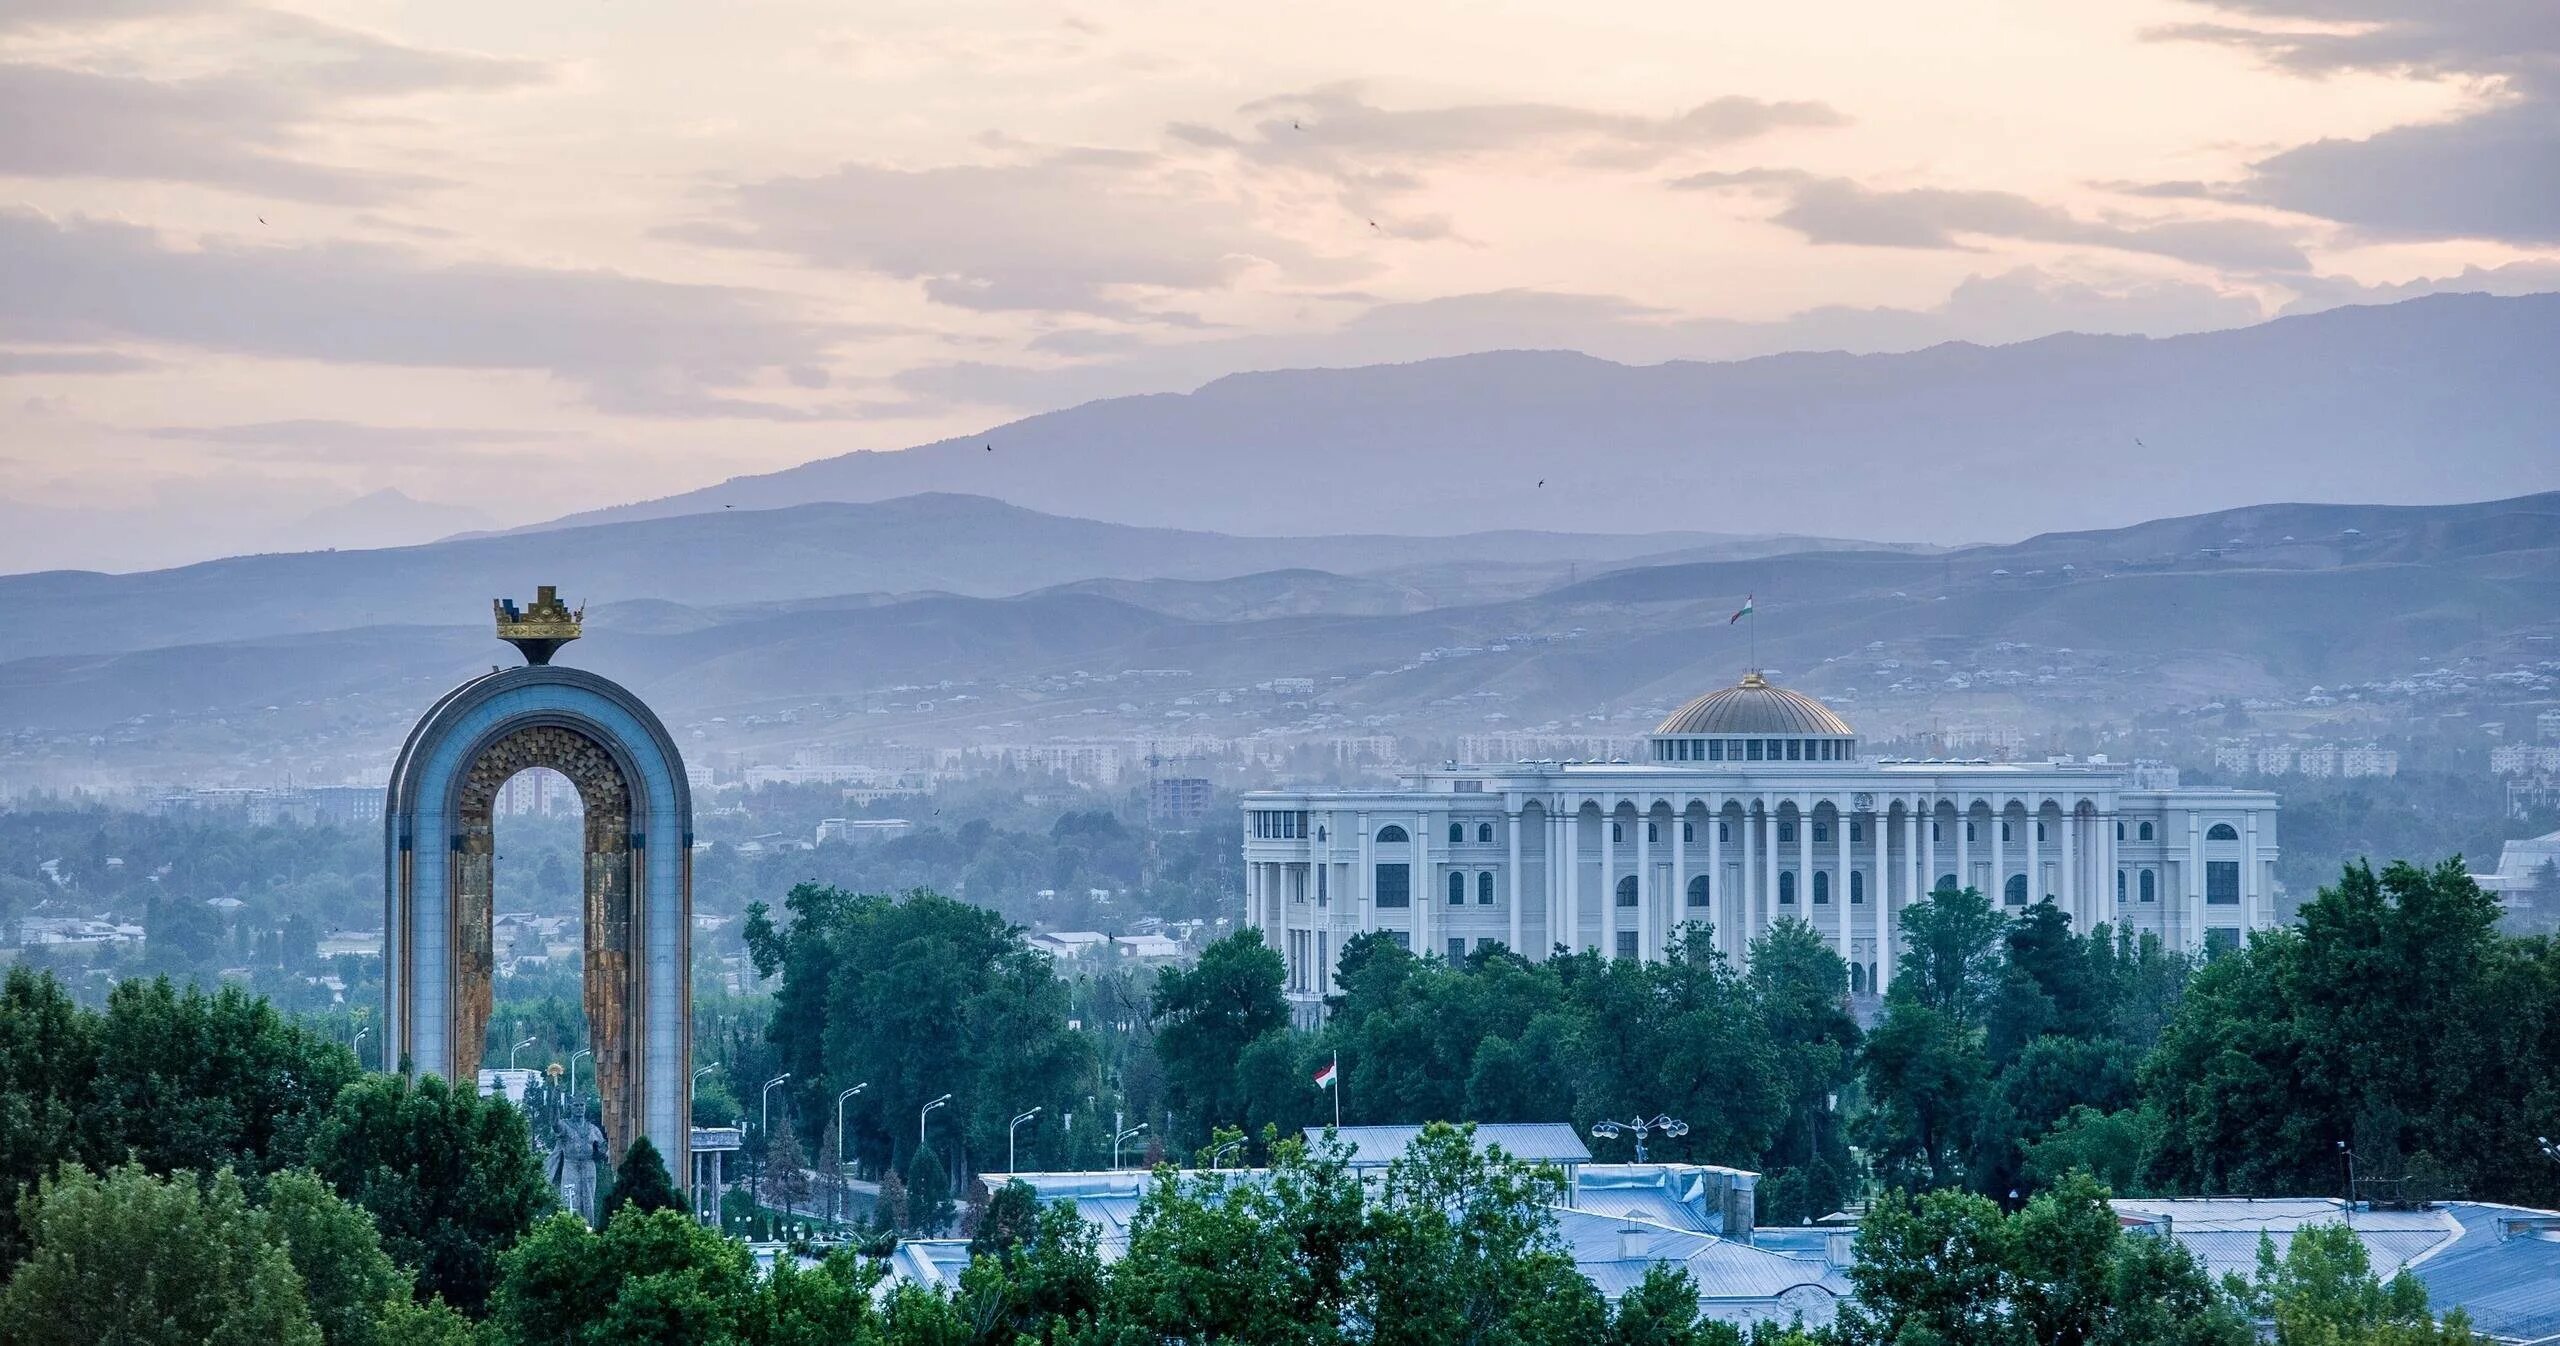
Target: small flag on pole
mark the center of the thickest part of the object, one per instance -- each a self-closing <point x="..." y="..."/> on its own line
<point x="1326" y="1074"/>
<point x="1740" y="613"/>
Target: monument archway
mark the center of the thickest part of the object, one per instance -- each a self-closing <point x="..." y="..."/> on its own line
<point x="439" y="885"/>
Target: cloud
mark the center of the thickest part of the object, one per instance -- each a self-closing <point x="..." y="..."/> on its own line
<point x="16" y="363"/>
<point x="239" y="128"/>
<point x="2010" y="306"/>
<point x="2494" y="173"/>
<point x="1837" y="210"/>
<point x="2514" y="278"/>
<point x="1099" y="232"/>
<point x="1372" y="156"/>
<point x="337" y="442"/>
<point x="633" y="345"/>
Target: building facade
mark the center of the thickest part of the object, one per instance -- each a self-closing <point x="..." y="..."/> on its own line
<point x="1751" y="805"/>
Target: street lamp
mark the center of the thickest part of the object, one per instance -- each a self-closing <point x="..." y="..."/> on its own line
<point x="357" y="1046"/>
<point x="511" y="1052"/>
<point x="927" y="1111"/>
<point x="1222" y="1148"/>
<point x="1010" y="1128"/>
<point x="1639" y="1128"/>
<point x="1116" y="1140"/>
<point x="2350" y="1156"/>
<point x="573" y="1068"/>
<point x="767" y="1100"/>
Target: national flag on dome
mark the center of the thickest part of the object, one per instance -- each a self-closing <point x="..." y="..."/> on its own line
<point x="1740" y="613"/>
<point x="1328" y="1073"/>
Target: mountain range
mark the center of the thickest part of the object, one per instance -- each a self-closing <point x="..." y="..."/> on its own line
<point x="2432" y="400"/>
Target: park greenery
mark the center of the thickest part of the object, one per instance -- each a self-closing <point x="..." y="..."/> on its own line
<point x="194" y="1166"/>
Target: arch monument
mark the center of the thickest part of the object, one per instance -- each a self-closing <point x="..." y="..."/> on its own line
<point x="439" y="890"/>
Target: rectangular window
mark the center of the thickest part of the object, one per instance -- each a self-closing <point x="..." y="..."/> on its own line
<point x="1821" y="833"/>
<point x="1403" y="939"/>
<point x="1715" y="750"/>
<point x="1724" y="832"/>
<point x="1857" y="830"/>
<point x="1395" y="886"/>
<point x="1754" y="746"/>
<point x="2222" y="883"/>
<point x="1786" y="833"/>
<point x="1321" y="871"/>
<point x="1457" y="950"/>
<point x="1795" y="750"/>
<point x="1626" y="944"/>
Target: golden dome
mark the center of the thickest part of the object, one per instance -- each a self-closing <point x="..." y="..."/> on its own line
<point x="1755" y="707"/>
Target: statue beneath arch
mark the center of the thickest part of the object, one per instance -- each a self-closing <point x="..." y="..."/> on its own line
<point x="439" y="881"/>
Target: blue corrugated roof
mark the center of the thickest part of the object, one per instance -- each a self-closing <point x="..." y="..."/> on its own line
<point x="1537" y="1142"/>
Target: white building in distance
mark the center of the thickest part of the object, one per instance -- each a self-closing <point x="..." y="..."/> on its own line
<point x="1752" y="805"/>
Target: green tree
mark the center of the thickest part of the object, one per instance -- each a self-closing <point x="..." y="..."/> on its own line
<point x="450" y="1177"/>
<point x="48" y="1071"/>
<point x="346" y="1277"/>
<point x="2323" y="1292"/>
<point x="1206" y="1017"/>
<point x="136" y="1260"/>
<point x="1662" y="1310"/>
<point x="649" y="1277"/>
<point x="642" y="1181"/>
<point x="1800" y="989"/>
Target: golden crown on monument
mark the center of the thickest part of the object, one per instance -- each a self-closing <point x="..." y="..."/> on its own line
<point x="540" y="627"/>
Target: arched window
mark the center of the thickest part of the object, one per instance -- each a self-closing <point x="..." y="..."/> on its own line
<point x="1320" y="834"/>
<point x="2014" y="892"/>
<point x="2119" y="885"/>
<point x="1821" y="889"/>
<point x="1698" y="891"/>
<point x="1484" y="888"/>
<point x="1858" y="978"/>
<point x="1857" y="887"/>
<point x="1616" y="832"/>
<point x="2150" y="886"/>
<point x="1947" y="884"/>
<point x="1627" y="891"/>
<point x="1787" y="832"/>
<point x="1392" y="833"/>
<point x="2119" y="830"/>
<point x="1484" y="833"/>
<point x="1688" y="830"/>
<point x="2222" y="832"/>
<point x="1821" y="832"/>
<point x="1652" y="833"/>
<point x="2146" y="832"/>
<point x="1457" y="834"/>
<point x="1786" y="887"/>
<point x="1457" y="889"/>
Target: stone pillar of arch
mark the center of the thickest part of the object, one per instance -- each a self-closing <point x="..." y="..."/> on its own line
<point x="440" y="888"/>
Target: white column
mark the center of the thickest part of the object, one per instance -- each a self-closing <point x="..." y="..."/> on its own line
<point x="2035" y="851"/>
<point x="1841" y="824"/>
<point x="1750" y="880"/>
<point x="1717" y="897"/>
<point x="1929" y="851"/>
<point x="1424" y="884"/>
<point x="1964" y="844"/>
<point x="1999" y="851"/>
<point x="1882" y="893"/>
<point x="1911" y="888"/>
<point x="2252" y="890"/>
<point x="1572" y="936"/>
<point x="2071" y="901"/>
<point x="1511" y="828"/>
<point x="1609" y="878"/>
<point x="1367" y="879"/>
<point x="1804" y="860"/>
<point x="1678" y="907"/>
<point x="2193" y="870"/>
<point x="1766" y="915"/>
<point x="1644" y="881"/>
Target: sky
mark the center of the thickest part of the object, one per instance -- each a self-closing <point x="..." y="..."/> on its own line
<point x="523" y="259"/>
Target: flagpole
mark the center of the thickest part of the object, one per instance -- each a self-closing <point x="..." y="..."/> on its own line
<point x="1337" y="1091"/>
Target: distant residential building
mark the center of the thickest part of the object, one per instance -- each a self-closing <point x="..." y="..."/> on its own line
<point x="2367" y="761"/>
<point x="2517" y="759"/>
<point x="347" y="803"/>
<point x="1178" y="801"/>
<point x="2275" y="761"/>
<point x="862" y="829"/>
<point x="2547" y="726"/>
<point x="2318" y="763"/>
<point x="2236" y="758"/>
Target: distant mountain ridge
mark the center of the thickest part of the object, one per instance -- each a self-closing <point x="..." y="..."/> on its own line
<point x="2433" y="400"/>
<point x="960" y="544"/>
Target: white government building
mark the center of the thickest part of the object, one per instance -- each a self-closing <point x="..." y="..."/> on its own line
<point x="1753" y="805"/>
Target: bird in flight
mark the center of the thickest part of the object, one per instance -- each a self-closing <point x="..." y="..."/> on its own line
<point x="1373" y="224"/>
<point x="1542" y="481"/>
<point x="262" y="219"/>
<point x="991" y="448"/>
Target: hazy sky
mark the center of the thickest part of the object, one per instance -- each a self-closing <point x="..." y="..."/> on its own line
<point x="541" y="256"/>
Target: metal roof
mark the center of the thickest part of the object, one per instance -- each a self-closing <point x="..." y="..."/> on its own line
<point x="1754" y="706"/>
<point x="1536" y="1142"/>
